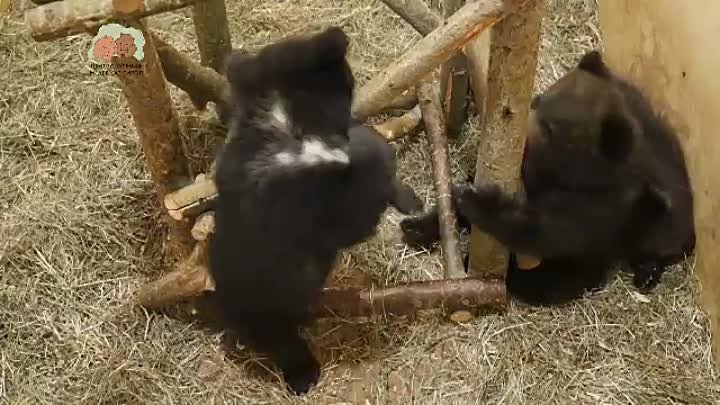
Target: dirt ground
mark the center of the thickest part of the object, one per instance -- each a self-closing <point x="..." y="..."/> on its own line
<point x="79" y="234"/>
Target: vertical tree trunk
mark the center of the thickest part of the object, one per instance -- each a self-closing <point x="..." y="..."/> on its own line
<point x="211" y="28"/>
<point x="513" y="62"/>
<point x="454" y="82"/>
<point x="160" y="134"/>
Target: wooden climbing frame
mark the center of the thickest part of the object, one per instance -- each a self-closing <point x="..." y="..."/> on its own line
<point x="471" y="41"/>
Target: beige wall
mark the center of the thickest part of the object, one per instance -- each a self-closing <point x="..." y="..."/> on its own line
<point x="671" y="48"/>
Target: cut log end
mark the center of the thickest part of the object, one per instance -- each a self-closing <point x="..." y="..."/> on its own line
<point x="398" y="127"/>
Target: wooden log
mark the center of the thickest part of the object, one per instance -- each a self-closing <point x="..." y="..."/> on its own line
<point x="454" y="82"/>
<point x="204" y="226"/>
<point x="442" y="178"/>
<point x="425" y="20"/>
<point x="416" y="13"/>
<point x="405" y="101"/>
<point x="189" y="280"/>
<point x="456" y="296"/>
<point x="425" y="55"/>
<point x="513" y="63"/>
<point x="68" y="17"/>
<point x="211" y="28"/>
<point x="201" y="83"/>
<point x="477" y="52"/>
<point x="449" y="295"/>
<point x="668" y="49"/>
<point x="188" y="202"/>
<point x="398" y="127"/>
<point x="160" y="133"/>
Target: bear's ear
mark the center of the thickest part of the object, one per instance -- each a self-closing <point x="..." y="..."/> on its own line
<point x="592" y="62"/>
<point x="291" y="55"/>
<point x="617" y="136"/>
<point x="331" y="43"/>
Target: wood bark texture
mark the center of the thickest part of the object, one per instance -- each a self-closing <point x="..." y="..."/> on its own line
<point x="416" y="13"/>
<point x="69" y="17"/>
<point x="442" y="178"/>
<point x="454" y="81"/>
<point x="429" y="52"/>
<point x="513" y="62"/>
<point x="160" y="133"/>
<point x="189" y="280"/>
<point x="477" y="54"/>
<point x="202" y="84"/>
<point x="211" y="28"/>
<point x="454" y="296"/>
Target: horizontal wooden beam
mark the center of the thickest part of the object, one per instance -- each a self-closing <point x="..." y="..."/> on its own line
<point x="405" y="299"/>
<point x="69" y="17"/>
<point x="192" y="279"/>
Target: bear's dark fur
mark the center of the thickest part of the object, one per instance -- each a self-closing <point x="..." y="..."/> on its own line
<point x="296" y="185"/>
<point x="605" y="181"/>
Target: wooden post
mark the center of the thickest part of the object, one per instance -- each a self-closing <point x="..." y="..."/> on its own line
<point x="477" y="54"/>
<point x="436" y="131"/>
<point x="513" y="62"/>
<point x="453" y="82"/>
<point x="668" y="48"/>
<point x="211" y="28"/>
<point x="160" y="133"/>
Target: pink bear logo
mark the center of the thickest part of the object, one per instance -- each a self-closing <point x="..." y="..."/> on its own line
<point x="125" y="46"/>
<point x="105" y="48"/>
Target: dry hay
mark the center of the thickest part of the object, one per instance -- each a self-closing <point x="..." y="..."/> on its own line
<point x="79" y="235"/>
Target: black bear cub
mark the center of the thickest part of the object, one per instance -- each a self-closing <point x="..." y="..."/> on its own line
<point x="296" y="185"/>
<point x="605" y="181"/>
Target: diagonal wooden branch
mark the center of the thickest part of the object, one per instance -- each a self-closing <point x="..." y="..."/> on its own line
<point x="425" y="20"/>
<point x="430" y="51"/>
<point x="416" y="13"/>
<point x="201" y="83"/>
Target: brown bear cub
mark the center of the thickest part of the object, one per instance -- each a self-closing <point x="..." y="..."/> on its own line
<point x="296" y="185"/>
<point x="605" y="182"/>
